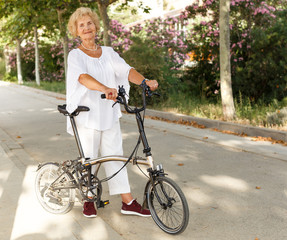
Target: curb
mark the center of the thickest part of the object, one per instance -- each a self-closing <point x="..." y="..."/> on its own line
<point x="220" y="125"/>
<point x="207" y="123"/>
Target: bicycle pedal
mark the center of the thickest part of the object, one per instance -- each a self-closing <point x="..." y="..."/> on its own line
<point x="104" y="203"/>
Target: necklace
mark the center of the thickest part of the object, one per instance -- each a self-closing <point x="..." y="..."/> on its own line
<point x="88" y="48"/>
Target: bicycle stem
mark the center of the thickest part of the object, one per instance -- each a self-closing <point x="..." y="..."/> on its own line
<point x="147" y="149"/>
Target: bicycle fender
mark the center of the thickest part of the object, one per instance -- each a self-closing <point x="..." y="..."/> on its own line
<point x="145" y="205"/>
<point x="46" y="163"/>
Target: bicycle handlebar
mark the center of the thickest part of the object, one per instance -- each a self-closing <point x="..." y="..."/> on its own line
<point x="121" y="98"/>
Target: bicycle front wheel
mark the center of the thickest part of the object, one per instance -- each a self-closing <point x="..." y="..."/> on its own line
<point x="168" y="206"/>
<point x="52" y="189"/>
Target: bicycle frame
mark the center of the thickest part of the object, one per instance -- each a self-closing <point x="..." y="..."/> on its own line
<point x="86" y="163"/>
<point x="147" y="149"/>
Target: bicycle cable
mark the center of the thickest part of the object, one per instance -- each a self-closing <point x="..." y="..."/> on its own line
<point x="126" y="163"/>
<point x="133" y="153"/>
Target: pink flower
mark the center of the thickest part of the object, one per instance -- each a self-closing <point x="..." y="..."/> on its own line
<point x="208" y="2"/>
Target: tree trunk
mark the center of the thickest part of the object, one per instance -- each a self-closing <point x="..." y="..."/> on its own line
<point x="19" y="69"/>
<point x="64" y="36"/>
<point x="6" y="57"/>
<point x="225" y="69"/>
<point x="37" y="61"/>
<point x="103" y="5"/>
<point x="66" y="49"/>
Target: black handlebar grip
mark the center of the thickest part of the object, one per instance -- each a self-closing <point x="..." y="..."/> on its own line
<point x="103" y="96"/>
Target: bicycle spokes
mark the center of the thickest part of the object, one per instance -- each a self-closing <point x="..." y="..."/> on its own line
<point x="168" y="205"/>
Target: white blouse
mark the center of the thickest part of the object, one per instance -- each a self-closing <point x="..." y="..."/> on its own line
<point x="109" y="69"/>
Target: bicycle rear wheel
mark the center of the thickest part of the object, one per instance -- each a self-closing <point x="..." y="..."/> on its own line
<point x="168" y="206"/>
<point x="53" y="193"/>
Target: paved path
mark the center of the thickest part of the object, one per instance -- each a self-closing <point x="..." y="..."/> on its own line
<point x="236" y="188"/>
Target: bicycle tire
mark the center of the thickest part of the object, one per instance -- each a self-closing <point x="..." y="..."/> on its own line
<point x="54" y="201"/>
<point x="168" y="205"/>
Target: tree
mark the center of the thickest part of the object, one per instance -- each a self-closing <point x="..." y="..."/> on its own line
<point x="64" y="9"/>
<point x="225" y="70"/>
<point x="37" y="73"/>
<point x="27" y="15"/>
<point x="40" y="18"/>
<point x="103" y="10"/>
<point x="103" y="6"/>
<point x="15" y="30"/>
<point x="64" y="36"/>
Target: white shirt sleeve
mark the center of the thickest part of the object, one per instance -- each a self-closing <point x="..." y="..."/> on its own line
<point x="75" y="90"/>
<point x="121" y="69"/>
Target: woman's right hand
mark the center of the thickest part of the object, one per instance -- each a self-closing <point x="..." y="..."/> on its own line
<point x="111" y="93"/>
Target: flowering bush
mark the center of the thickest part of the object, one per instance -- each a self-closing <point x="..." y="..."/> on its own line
<point x="28" y="59"/>
<point x="158" y="51"/>
<point x="159" y="33"/>
<point x="251" y="21"/>
<point x="169" y="34"/>
<point x="120" y="36"/>
<point x="51" y="62"/>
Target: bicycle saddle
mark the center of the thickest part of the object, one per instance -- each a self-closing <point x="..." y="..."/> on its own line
<point x="62" y="109"/>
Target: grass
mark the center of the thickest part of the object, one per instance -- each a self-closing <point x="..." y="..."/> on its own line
<point x="255" y="114"/>
<point x="2" y="68"/>
<point x="58" y="87"/>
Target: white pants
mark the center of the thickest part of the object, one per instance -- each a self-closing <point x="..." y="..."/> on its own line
<point x="108" y="142"/>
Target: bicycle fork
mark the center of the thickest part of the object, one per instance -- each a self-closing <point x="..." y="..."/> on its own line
<point x="154" y="174"/>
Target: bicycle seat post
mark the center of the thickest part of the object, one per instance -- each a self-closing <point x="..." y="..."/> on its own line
<point x="76" y="134"/>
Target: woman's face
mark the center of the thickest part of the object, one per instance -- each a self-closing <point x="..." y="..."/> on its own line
<point x="86" y="28"/>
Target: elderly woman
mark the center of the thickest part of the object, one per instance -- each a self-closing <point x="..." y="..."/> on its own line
<point x="93" y="70"/>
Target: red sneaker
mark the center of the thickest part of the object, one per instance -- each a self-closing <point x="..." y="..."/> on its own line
<point x="89" y="209"/>
<point x="135" y="209"/>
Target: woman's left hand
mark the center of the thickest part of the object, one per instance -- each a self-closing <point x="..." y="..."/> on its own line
<point x="153" y="84"/>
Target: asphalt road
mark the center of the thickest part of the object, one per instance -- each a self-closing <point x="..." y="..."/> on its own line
<point x="236" y="188"/>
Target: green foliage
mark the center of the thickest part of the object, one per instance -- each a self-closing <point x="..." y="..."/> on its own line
<point x="200" y="80"/>
<point x="54" y="86"/>
<point x="258" y="49"/>
<point x="2" y="64"/>
<point x="10" y="77"/>
<point x="151" y="63"/>
<point x="263" y="75"/>
<point x="247" y="112"/>
<point x="52" y="63"/>
<point x="277" y="118"/>
<point x="258" y="114"/>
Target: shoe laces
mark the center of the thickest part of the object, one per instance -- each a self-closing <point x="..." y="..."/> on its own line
<point x="136" y="204"/>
